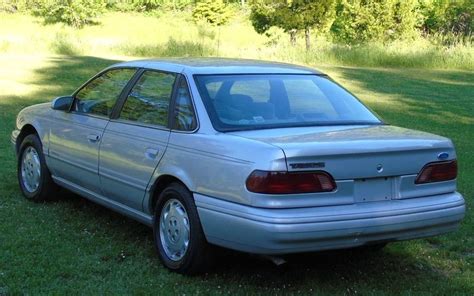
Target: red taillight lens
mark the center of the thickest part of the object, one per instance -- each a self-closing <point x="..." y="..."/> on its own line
<point x="437" y="172"/>
<point x="287" y="183"/>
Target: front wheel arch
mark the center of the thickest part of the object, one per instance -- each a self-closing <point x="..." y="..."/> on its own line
<point x="46" y="189"/>
<point x="25" y="131"/>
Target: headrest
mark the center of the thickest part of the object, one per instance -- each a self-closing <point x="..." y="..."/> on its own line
<point x="239" y="100"/>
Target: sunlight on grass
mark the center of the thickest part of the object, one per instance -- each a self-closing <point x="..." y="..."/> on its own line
<point x="17" y="77"/>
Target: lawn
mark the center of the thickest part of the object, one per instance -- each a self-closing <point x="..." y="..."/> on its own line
<point x="74" y="246"/>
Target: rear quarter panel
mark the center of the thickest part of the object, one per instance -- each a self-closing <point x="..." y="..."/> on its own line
<point x="217" y="165"/>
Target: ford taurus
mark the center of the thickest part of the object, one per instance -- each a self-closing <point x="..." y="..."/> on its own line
<point x="260" y="157"/>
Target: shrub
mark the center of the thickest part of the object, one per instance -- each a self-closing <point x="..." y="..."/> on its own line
<point x="15" y="5"/>
<point x="7" y="6"/>
<point x="448" y="17"/>
<point x="147" y="5"/>
<point x="64" y="45"/>
<point x="213" y="12"/>
<point x="361" y="21"/>
<point x="76" y="13"/>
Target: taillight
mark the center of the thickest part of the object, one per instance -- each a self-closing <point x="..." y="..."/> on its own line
<point x="437" y="172"/>
<point x="287" y="183"/>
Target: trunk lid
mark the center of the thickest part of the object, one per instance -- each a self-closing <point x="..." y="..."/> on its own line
<point x="355" y="152"/>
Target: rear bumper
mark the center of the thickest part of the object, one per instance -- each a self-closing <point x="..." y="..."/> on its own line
<point x="282" y="231"/>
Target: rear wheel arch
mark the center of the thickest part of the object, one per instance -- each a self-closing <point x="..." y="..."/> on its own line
<point x="177" y="232"/>
<point x="161" y="184"/>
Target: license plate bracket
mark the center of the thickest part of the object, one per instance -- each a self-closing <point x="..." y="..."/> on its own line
<point x="373" y="189"/>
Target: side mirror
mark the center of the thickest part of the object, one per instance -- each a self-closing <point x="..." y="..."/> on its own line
<point x="62" y="103"/>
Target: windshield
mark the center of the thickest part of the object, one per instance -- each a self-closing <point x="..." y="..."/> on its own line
<point x="255" y="101"/>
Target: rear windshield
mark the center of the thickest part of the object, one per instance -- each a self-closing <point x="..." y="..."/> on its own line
<point x="241" y="102"/>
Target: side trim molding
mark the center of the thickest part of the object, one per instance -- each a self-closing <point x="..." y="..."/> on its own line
<point x="106" y="202"/>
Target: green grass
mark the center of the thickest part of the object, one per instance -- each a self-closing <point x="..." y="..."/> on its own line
<point x="74" y="246"/>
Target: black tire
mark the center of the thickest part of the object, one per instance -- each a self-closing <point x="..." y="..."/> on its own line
<point x="46" y="189"/>
<point x="198" y="255"/>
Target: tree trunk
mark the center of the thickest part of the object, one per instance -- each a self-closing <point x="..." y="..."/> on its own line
<point x="307" y="37"/>
<point x="242" y="3"/>
<point x="293" y="37"/>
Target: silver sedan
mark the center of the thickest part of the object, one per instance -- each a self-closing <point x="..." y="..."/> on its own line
<point x="259" y="157"/>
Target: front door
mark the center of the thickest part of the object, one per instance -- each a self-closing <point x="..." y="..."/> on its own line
<point x="135" y="141"/>
<point x="75" y="137"/>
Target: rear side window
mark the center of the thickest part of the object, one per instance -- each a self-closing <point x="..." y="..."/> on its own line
<point x="100" y="95"/>
<point x="184" y="117"/>
<point x="149" y="100"/>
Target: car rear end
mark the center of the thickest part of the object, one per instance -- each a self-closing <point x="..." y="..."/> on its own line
<point x="363" y="190"/>
<point x="349" y="179"/>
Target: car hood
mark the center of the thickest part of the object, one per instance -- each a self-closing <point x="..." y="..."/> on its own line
<point x="355" y="151"/>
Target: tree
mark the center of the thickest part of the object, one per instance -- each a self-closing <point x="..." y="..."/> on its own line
<point x="17" y="5"/>
<point x="448" y="17"/>
<point x="292" y="16"/>
<point x="214" y="12"/>
<point x="76" y="13"/>
<point x="360" y="21"/>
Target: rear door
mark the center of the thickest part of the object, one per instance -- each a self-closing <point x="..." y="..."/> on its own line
<point x="135" y="141"/>
<point x="75" y="137"/>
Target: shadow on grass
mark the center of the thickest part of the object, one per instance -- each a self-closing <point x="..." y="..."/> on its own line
<point x="395" y="269"/>
<point x="439" y="98"/>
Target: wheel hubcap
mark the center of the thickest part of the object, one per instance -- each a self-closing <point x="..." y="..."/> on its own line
<point x="174" y="229"/>
<point x="30" y="169"/>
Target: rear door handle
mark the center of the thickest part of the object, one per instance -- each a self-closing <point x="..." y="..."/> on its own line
<point x="151" y="153"/>
<point x="93" y="138"/>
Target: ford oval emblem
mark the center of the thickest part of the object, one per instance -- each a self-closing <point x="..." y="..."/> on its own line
<point x="379" y="168"/>
<point x="443" y="155"/>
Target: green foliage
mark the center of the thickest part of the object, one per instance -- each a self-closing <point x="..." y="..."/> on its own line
<point x="64" y="45"/>
<point x="360" y="21"/>
<point x="262" y="16"/>
<point x="75" y="13"/>
<point x="214" y="12"/>
<point x="349" y="21"/>
<point x="448" y="17"/>
<point x="407" y="19"/>
<point x="12" y="6"/>
<point x="291" y="14"/>
<point x="147" y="5"/>
<point x="8" y="6"/>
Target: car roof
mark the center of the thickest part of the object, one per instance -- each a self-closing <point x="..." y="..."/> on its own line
<point x="219" y="66"/>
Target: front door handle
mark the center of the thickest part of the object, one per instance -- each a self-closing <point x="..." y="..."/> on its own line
<point x="151" y="153"/>
<point x="93" y="138"/>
